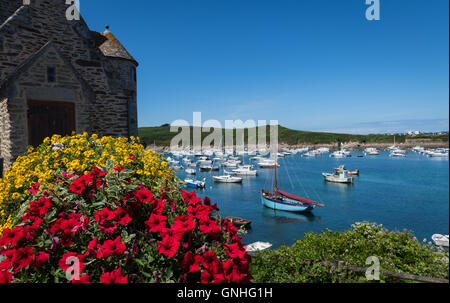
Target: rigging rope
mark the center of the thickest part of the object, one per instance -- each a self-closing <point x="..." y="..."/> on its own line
<point x="314" y="190"/>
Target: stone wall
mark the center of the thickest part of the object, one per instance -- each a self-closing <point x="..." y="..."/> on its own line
<point x="7" y="8"/>
<point x="29" y="30"/>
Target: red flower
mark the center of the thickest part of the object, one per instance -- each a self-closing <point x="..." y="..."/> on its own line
<point x="206" y="277"/>
<point x="40" y="259"/>
<point x="198" y="211"/>
<point x="234" y="251"/>
<point x="77" y="186"/>
<point x="210" y="227"/>
<point x="5" y="277"/>
<point x="158" y="206"/>
<point x="114" y="277"/>
<point x="191" y="197"/>
<point x="144" y="195"/>
<point x="39" y="208"/>
<point x="184" y="223"/>
<point x="22" y="258"/>
<point x="173" y="232"/>
<point x="105" y="220"/>
<point x="191" y="263"/>
<point x="111" y="248"/>
<point x="64" y="260"/>
<point x="83" y="279"/>
<point x="119" y="169"/>
<point x="156" y="223"/>
<point x="168" y="247"/>
<point x="121" y="216"/>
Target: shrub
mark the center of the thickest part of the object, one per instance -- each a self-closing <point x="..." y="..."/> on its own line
<point x="120" y="231"/>
<point x="74" y="154"/>
<point x="115" y="209"/>
<point x="397" y="252"/>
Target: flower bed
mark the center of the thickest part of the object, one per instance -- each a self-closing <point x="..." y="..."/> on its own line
<point x="110" y="223"/>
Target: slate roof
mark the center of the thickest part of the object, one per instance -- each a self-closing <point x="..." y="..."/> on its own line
<point x="112" y="47"/>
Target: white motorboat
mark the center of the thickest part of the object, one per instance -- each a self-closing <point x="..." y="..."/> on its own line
<point x="339" y="176"/>
<point x="258" y="246"/>
<point x="190" y="171"/>
<point x="371" y="151"/>
<point x="340" y="154"/>
<point x="440" y="240"/>
<point x="231" y="163"/>
<point x="245" y="170"/>
<point x="195" y="183"/>
<point x="227" y="179"/>
<point x="268" y="163"/>
<point x="397" y="153"/>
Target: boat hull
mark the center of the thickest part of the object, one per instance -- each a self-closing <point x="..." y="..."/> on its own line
<point x="286" y="205"/>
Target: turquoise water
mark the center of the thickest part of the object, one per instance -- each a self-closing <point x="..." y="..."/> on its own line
<point x="400" y="193"/>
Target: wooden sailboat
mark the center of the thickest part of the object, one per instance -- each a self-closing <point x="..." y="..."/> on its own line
<point x="280" y="200"/>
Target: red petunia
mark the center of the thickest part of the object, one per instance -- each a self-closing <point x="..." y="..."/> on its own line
<point x="5" y="277"/>
<point x="168" y="247"/>
<point x="22" y="258"/>
<point x="83" y="279"/>
<point x="191" y="197"/>
<point x="77" y="186"/>
<point x="144" y="195"/>
<point x="191" y="263"/>
<point x="65" y="259"/>
<point x="121" y="216"/>
<point x="114" y="277"/>
<point x="111" y="248"/>
<point x="184" y="223"/>
<point x="234" y="250"/>
<point x="156" y="223"/>
<point x="173" y="232"/>
<point x="106" y="220"/>
<point x="40" y="259"/>
<point x="40" y="208"/>
<point x="210" y="227"/>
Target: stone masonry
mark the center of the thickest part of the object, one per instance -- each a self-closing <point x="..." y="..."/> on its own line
<point x="46" y="58"/>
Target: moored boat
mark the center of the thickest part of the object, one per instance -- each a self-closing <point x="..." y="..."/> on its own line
<point x="280" y="200"/>
<point x="195" y="183"/>
<point x="440" y="240"/>
<point x="227" y="179"/>
<point x="339" y="176"/>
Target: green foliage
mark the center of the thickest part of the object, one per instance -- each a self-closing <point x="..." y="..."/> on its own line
<point x="162" y="136"/>
<point x="397" y="252"/>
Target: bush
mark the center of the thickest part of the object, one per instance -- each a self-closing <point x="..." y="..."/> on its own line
<point x="397" y="252"/>
<point x="75" y="154"/>
<point x="121" y="226"/>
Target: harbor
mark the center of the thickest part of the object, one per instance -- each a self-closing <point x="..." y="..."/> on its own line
<point x="409" y="192"/>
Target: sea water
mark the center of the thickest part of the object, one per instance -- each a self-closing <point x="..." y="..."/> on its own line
<point x="400" y="193"/>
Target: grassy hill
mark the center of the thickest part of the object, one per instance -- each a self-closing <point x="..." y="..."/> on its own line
<point x="161" y="136"/>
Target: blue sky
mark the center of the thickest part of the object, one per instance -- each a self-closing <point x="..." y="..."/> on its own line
<point x="312" y="65"/>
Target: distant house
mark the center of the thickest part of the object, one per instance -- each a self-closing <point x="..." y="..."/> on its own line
<point x="58" y="76"/>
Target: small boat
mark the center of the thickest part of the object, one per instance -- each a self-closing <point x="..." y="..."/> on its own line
<point x="245" y="170"/>
<point x="339" y="176"/>
<point x="280" y="200"/>
<point x="258" y="246"/>
<point x="205" y="167"/>
<point x="238" y="222"/>
<point x="440" y="240"/>
<point x="371" y="151"/>
<point x="177" y="167"/>
<point x="190" y="171"/>
<point x="268" y="163"/>
<point x="354" y="172"/>
<point x="195" y="183"/>
<point x="397" y="153"/>
<point x="227" y="179"/>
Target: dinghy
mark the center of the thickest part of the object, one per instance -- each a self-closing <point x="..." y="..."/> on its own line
<point x="258" y="246"/>
<point x="195" y="183"/>
<point x="440" y="240"/>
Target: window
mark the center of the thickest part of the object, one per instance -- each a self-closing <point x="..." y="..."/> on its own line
<point x="51" y="74"/>
<point x="133" y="74"/>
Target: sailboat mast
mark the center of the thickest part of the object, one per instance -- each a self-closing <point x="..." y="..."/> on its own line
<point x="276" y="186"/>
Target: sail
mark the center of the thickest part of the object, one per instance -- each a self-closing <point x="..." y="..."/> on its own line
<point x="296" y="198"/>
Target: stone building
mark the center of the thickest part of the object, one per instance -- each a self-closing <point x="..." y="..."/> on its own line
<point x="58" y="76"/>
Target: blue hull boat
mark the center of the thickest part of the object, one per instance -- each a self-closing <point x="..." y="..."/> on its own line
<point x="280" y="200"/>
<point x="286" y="204"/>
